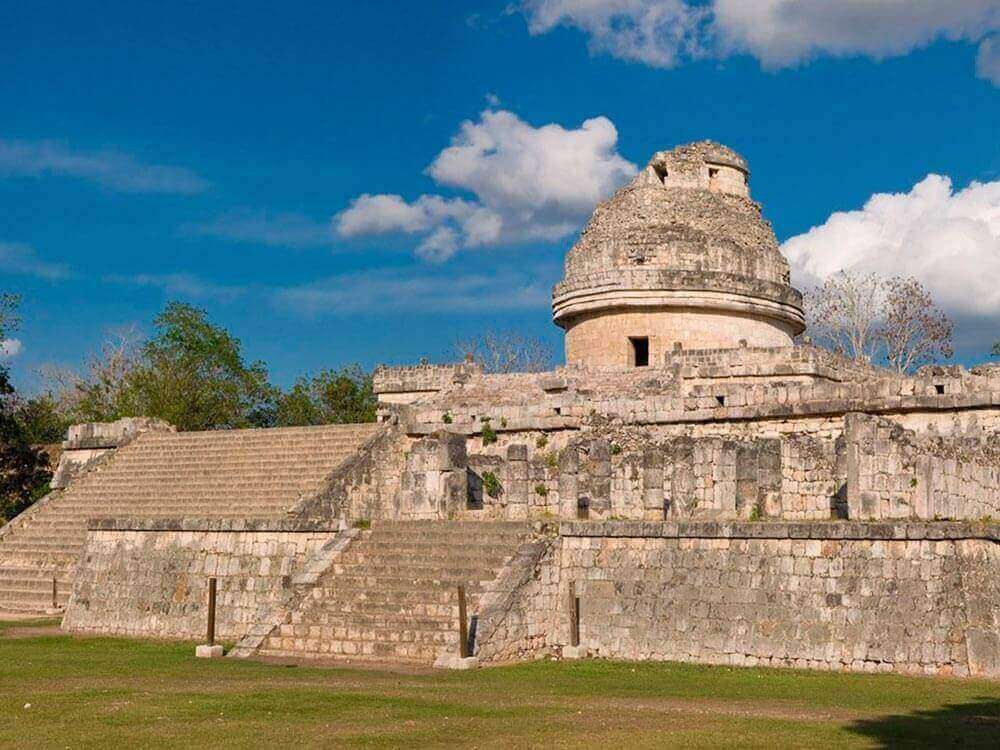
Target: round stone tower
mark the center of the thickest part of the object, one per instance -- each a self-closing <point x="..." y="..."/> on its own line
<point x="679" y="257"/>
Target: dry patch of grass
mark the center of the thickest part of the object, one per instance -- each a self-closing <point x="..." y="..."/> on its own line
<point x="101" y="692"/>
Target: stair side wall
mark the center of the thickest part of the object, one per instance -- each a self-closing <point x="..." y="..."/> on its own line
<point x="150" y="578"/>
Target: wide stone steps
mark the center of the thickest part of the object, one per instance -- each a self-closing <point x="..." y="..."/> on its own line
<point x="393" y="594"/>
<point x="233" y="474"/>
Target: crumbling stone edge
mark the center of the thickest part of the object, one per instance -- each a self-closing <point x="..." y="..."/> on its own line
<point x="302" y="582"/>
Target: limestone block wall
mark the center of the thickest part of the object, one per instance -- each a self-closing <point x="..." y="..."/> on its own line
<point x="629" y="475"/>
<point x="507" y="629"/>
<point x="895" y="473"/>
<point x="150" y="578"/>
<point x="365" y="486"/>
<point x="604" y="339"/>
<point x="845" y="596"/>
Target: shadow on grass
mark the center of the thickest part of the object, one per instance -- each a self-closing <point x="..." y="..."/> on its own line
<point x="974" y="724"/>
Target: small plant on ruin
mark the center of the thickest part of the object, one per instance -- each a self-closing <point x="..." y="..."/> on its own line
<point x="503" y="421"/>
<point x="541" y="442"/>
<point x="913" y="483"/>
<point x="541" y="490"/>
<point x="615" y="449"/>
<point x="363" y="523"/>
<point x="489" y="434"/>
<point x="757" y="511"/>
<point x="446" y="418"/>
<point x="552" y="460"/>
<point x="491" y="484"/>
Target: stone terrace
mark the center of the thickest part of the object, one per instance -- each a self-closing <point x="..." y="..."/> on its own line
<point x="223" y="474"/>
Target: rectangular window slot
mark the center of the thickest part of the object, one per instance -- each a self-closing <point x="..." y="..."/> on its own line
<point x="939" y="388"/>
<point x="639" y="351"/>
<point x="721" y="400"/>
<point x="583" y="507"/>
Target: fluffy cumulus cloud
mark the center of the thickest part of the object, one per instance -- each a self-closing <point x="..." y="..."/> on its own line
<point x="529" y="183"/>
<point x="655" y="32"/>
<point x="110" y="169"/>
<point x="9" y="348"/>
<point x="947" y="238"/>
<point x="779" y="33"/>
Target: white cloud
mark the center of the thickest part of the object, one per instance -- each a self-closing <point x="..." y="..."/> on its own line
<point x="779" y="33"/>
<point x="111" y="169"/>
<point x="529" y="184"/>
<point x="420" y="291"/>
<point x="265" y="228"/>
<point x="948" y="239"/>
<point x="655" y="32"/>
<point x="17" y="258"/>
<point x="784" y="32"/>
<point x="988" y="60"/>
<point x="10" y="348"/>
<point x="180" y="285"/>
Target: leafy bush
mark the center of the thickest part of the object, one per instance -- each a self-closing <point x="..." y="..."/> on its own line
<point x="491" y="484"/>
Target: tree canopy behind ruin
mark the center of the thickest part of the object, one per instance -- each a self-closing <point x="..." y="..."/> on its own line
<point x="193" y="374"/>
<point x="24" y="469"/>
<point x="870" y="318"/>
<point x="342" y="396"/>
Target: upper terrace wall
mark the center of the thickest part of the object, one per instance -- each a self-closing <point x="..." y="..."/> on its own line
<point x="893" y="473"/>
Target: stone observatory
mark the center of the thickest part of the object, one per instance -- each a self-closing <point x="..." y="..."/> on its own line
<point x="691" y="486"/>
<point x="679" y="258"/>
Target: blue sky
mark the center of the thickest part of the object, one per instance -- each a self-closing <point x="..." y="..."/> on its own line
<point x="191" y="151"/>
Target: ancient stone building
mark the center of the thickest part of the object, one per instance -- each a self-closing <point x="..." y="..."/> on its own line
<point x="690" y="485"/>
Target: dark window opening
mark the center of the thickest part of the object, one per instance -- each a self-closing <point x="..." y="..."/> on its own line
<point x="712" y="173"/>
<point x="640" y="351"/>
<point x="939" y="388"/>
<point x="721" y="400"/>
<point x="661" y="172"/>
<point x="666" y="507"/>
<point x="558" y="410"/>
<point x="583" y="507"/>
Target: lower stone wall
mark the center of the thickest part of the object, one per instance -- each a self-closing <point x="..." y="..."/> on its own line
<point x="150" y="578"/>
<point x="836" y="595"/>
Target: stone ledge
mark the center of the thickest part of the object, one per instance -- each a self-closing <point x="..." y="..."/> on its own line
<point x="210" y="524"/>
<point x="851" y="530"/>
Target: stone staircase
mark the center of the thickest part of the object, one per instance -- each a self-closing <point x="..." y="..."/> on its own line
<point x="392" y="595"/>
<point x="221" y="474"/>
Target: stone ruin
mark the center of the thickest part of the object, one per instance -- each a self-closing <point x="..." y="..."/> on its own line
<point x="691" y="485"/>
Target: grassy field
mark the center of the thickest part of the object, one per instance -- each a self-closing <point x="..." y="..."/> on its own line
<point x="104" y="693"/>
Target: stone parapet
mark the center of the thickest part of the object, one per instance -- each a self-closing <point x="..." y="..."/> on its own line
<point x="843" y="530"/>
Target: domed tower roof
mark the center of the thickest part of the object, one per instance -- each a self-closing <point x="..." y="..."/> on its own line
<point x="683" y="235"/>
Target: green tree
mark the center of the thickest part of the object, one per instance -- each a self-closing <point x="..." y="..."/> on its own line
<point x="24" y="470"/>
<point x="996" y="349"/>
<point x="193" y="375"/>
<point x="41" y="420"/>
<point x="342" y="396"/>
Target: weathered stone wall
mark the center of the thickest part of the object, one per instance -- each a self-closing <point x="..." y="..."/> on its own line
<point x="603" y="339"/>
<point x="507" y="629"/>
<point x="895" y="473"/>
<point x="150" y="578"/>
<point x="365" y="486"/>
<point x="864" y="597"/>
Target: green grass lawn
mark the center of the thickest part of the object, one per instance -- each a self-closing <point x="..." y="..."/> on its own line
<point x="109" y="693"/>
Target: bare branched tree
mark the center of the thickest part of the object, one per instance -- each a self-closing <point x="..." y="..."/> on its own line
<point x="100" y="391"/>
<point x="872" y="318"/>
<point x="508" y="351"/>
<point x="843" y="314"/>
<point x="914" y="330"/>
